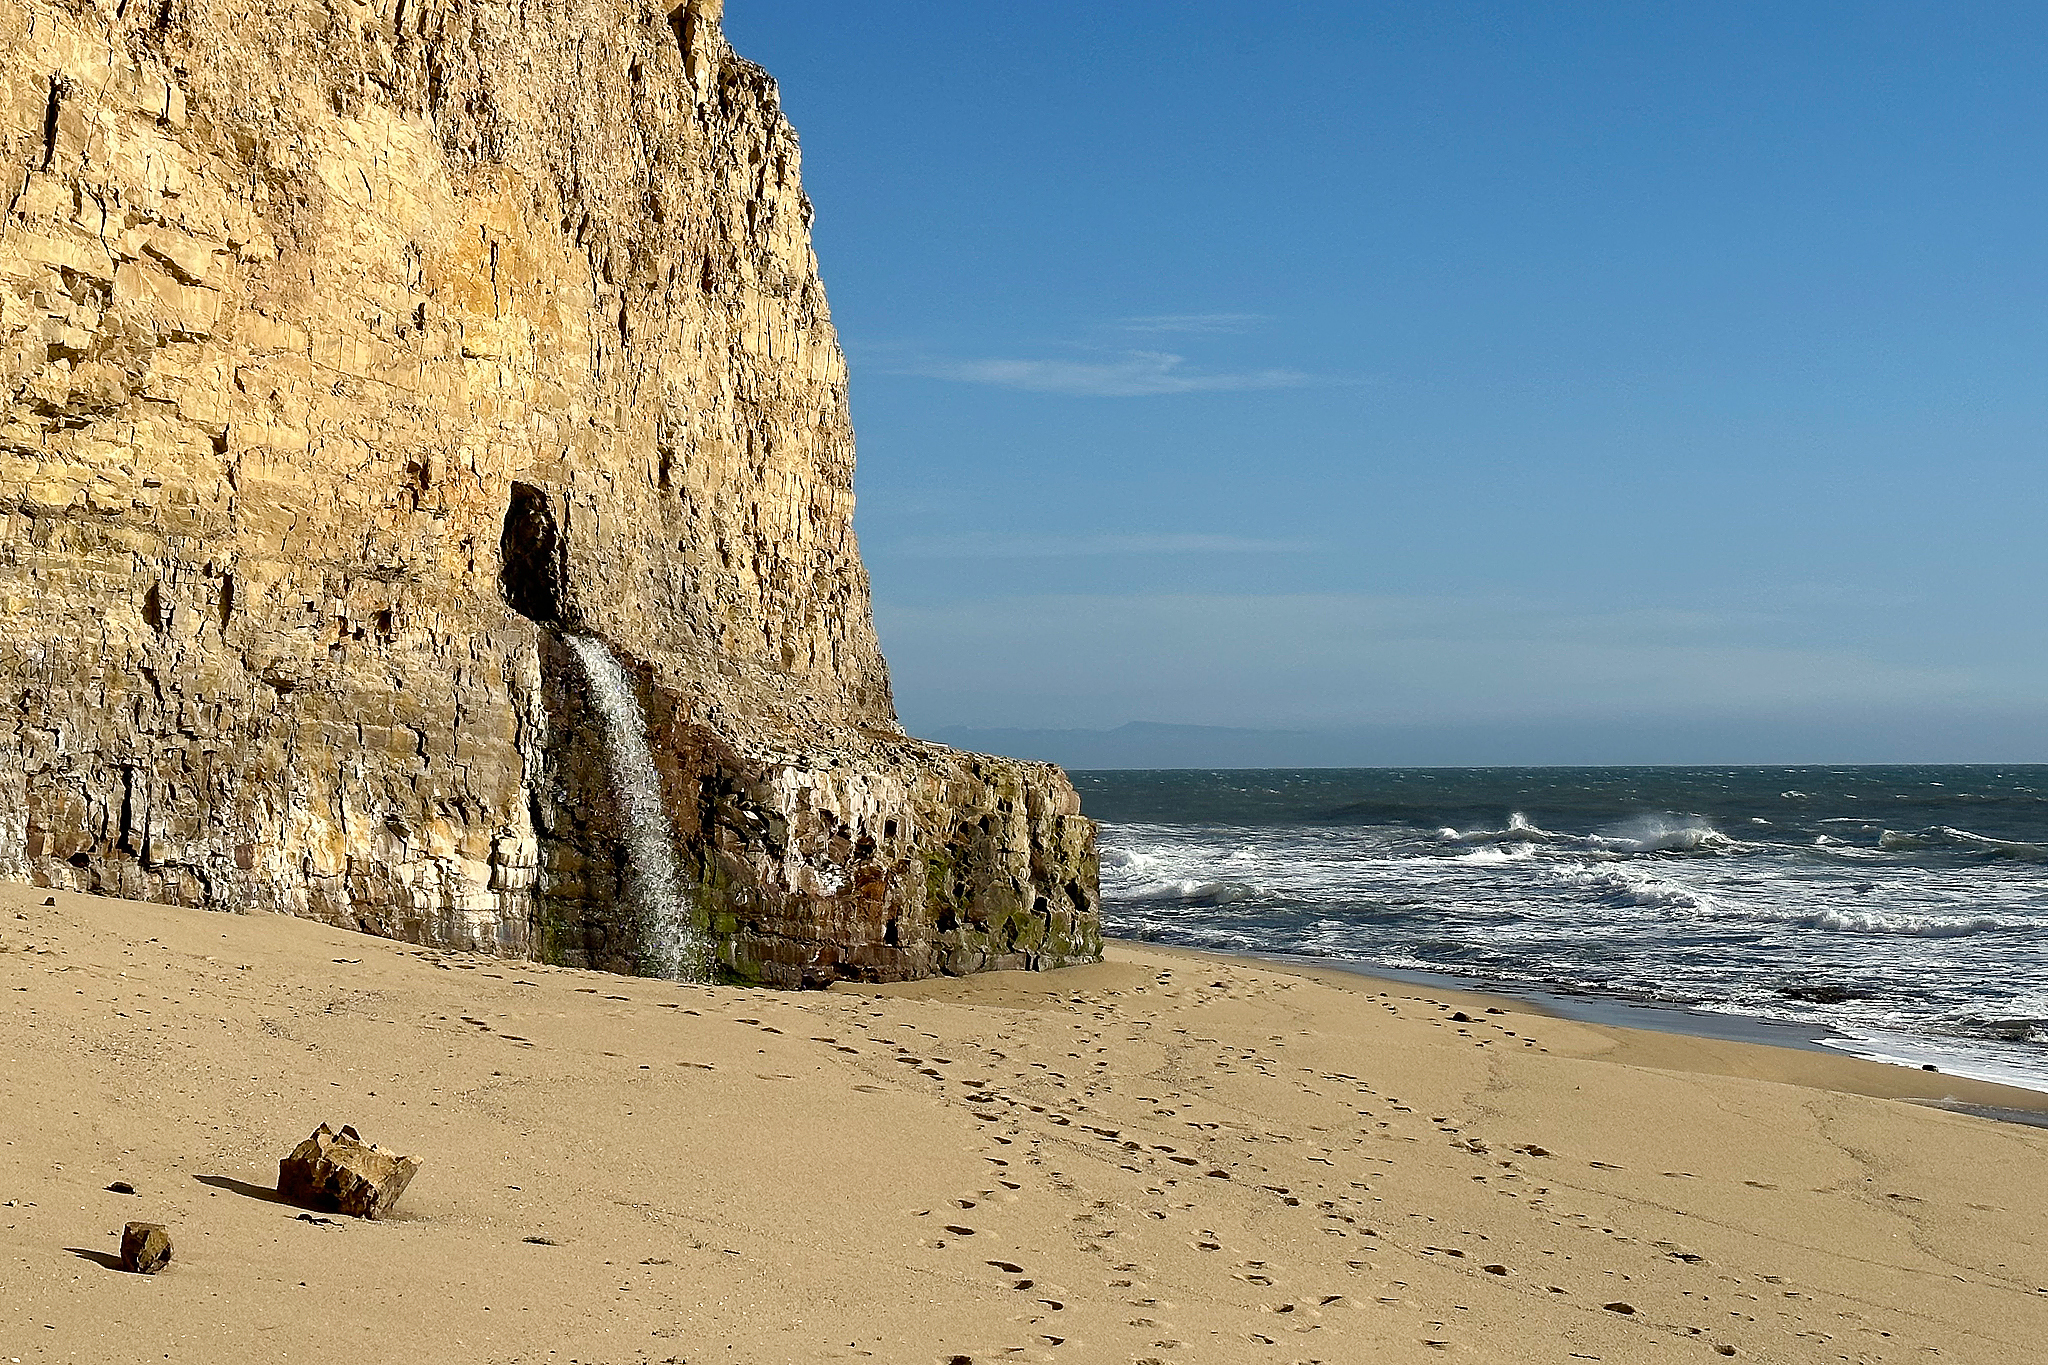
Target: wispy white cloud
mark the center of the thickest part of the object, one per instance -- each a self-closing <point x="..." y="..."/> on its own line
<point x="991" y="545"/>
<point x="1127" y="374"/>
<point x="1192" y="324"/>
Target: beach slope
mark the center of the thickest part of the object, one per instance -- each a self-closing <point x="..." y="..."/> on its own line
<point x="1158" y="1158"/>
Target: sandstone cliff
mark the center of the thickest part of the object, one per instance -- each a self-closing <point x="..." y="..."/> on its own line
<point x="352" y="352"/>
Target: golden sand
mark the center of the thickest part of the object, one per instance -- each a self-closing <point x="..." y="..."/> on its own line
<point x="1163" y="1158"/>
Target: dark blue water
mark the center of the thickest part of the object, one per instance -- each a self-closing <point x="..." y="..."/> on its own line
<point x="1904" y="907"/>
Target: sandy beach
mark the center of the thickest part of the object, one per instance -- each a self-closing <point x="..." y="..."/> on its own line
<point x="1161" y="1158"/>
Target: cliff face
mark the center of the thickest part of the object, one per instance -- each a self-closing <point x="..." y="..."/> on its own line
<point x="352" y="352"/>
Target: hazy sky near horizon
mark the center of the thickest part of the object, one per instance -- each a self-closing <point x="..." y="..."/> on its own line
<point x="1333" y="365"/>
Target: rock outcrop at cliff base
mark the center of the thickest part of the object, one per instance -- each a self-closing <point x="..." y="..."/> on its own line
<point x="355" y="355"/>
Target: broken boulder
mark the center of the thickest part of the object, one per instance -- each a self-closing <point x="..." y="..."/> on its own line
<point x="145" y="1248"/>
<point x="340" y="1172"/>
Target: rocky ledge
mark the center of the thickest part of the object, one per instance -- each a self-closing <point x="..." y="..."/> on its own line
<point x="358" y="358"/>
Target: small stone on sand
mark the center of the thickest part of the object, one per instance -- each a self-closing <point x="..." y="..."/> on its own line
<point x="145" y="1248"/>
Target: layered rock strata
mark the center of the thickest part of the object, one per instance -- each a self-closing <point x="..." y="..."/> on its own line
<point x="355" y="352"/>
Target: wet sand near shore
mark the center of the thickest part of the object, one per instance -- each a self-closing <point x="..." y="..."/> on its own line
<point x="1165" y="1157"/>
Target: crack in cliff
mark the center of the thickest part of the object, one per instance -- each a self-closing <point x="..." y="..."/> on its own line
<point x="56" y="101"/>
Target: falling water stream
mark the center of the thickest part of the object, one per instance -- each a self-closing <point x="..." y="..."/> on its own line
<point x="673" y="947"/>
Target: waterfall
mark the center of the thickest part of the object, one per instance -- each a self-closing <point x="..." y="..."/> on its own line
<point x="673" y="947"/>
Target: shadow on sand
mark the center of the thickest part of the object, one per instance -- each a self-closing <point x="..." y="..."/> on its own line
<point x="243" y="1187"/>
<point x="99" y="1258"/>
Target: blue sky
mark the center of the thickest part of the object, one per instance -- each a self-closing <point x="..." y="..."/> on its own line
<point x="1508" y="367"/>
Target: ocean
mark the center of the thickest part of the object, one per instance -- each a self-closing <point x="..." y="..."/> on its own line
<point x="1898" y="913"/>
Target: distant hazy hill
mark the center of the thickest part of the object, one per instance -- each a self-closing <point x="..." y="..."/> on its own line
<point x="1148" y="744"/>
<point x="1583" y="741"/>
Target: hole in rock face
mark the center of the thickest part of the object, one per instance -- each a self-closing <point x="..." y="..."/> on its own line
<point x="56" y="104"/>
<point x="531" y="551"/>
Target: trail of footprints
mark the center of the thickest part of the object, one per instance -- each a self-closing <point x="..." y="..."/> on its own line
<point x="1039" y="1119"/>
<point x="1055" y="1100"/>
<point x="1044" y="1112"/>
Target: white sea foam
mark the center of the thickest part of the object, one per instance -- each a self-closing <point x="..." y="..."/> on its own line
<point x="1498" y="853"/>
<point x="1518" y="831"/>
<point x="1646" y="834"/>
<point x="2015" y="1030"/>
<point x="1909" y="926"/>
<point x="1938" y="931"/>
<point x="1663" y="834"/>
<point x="1947" y="836"/>
<point x="2019" y="1065"/>
<point x="1631" y="887"/>
<point x="1190" y="891"/>
<point x="1126" y="860"/>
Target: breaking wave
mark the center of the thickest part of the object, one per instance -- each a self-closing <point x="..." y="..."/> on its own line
<point x="1864" y="901"/>
<point x="1910" y="926"/>
<point x="1155" y="876"/>
<point x="1190" y="892"/>
<point x="1646" y="834"/>
<point x="1947" y="836"/>
<point x="1628" y="887"/>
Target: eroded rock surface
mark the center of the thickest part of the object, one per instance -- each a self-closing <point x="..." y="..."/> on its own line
<point x="145" y="1248"/>
<point x="352" y="352"/>
<point x="341" y="1173"/>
